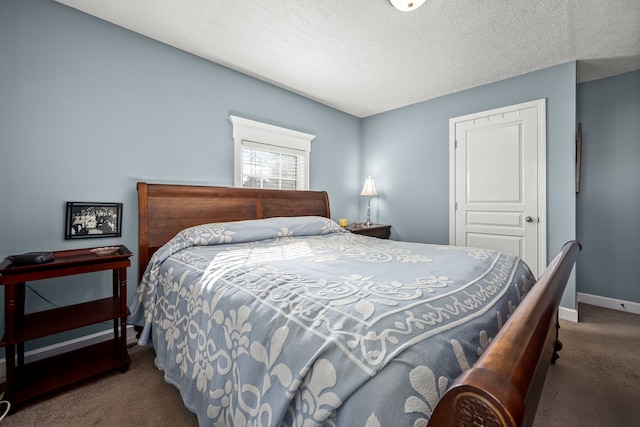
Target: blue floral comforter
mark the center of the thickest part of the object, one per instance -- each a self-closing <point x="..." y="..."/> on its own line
<point x="295" y="322"/>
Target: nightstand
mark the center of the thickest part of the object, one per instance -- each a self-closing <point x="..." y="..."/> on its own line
<point x="26" y="381"/>
<point x="381" y="231"/>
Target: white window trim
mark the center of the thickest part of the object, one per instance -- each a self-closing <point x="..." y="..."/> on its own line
<point x="262" y="133"/>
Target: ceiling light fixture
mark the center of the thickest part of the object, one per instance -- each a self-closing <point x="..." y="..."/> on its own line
<point x="406" y="5"/>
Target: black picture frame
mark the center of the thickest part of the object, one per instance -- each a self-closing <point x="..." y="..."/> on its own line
<point x="86" y="220"/>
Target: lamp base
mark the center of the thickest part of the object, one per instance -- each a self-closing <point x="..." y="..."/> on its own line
<point x="368" y="223"/>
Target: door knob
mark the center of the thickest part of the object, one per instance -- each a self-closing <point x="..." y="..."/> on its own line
<point x="529" y="219"/>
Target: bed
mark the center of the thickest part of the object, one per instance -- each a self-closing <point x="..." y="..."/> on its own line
<point x="263" y="311"/>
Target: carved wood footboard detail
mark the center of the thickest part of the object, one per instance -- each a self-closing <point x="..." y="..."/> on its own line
<point x="503" y="388"/>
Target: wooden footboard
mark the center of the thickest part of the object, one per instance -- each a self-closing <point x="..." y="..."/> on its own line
<point x="503" y="388"/>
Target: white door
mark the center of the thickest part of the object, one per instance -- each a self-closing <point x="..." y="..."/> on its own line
<point x="498" y="181"/>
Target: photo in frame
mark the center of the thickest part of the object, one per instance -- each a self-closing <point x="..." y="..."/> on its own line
<point x="89" y="220"/>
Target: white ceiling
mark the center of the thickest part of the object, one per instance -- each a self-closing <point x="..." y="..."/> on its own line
<point x="364" y="57"/>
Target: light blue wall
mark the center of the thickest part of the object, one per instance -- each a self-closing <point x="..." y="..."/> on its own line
<point x="407" y="153"/>
<point x="609" y="199"/>
<point x="87" y="109"/>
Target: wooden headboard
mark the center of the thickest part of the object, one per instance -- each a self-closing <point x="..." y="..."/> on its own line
<point x="162" y="213"/>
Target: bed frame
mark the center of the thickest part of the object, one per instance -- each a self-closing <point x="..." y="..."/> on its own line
<point x="502" y="389"/>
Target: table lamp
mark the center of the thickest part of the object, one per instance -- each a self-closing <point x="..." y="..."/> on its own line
<point x="369" y="190"/>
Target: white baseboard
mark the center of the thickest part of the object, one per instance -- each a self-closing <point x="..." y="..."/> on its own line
<point x="612" y="303"/>
<point x="568" y="314"/>
<point x="65" y="346"/>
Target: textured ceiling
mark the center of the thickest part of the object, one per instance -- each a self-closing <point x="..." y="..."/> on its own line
<point x="364" y="57"/>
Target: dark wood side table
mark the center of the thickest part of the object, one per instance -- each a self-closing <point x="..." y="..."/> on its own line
<point x="26" y="381"/>
<point x="381" y="231"/>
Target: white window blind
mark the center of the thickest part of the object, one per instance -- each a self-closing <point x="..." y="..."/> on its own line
<point x="266" y="166"/>
<point x="268" y="156"/>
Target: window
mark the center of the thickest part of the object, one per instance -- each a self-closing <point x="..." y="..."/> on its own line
<point x="267" y="156"/>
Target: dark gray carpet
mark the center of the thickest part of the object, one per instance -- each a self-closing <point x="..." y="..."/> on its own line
<point x="595" y="383"/>
<point x="138" y="397"/>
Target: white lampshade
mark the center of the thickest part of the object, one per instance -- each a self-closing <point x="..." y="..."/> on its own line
<point x="369" y="188"/>
<point x="406" y="5"/>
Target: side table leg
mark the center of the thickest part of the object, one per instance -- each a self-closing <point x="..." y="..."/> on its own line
<point x="20" y="302"/>
<point x="10" y="320"/>
<point x="122" y="294"/>
<point x="116" y="294"/>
